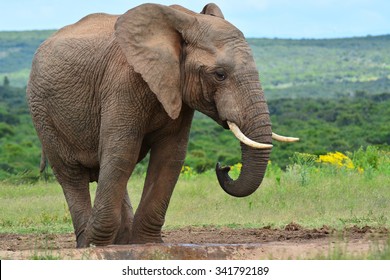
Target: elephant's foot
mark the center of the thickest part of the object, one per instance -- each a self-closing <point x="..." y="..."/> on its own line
<point x="87" y="237"/>
<point x="81" y="240"/>
<point x="123" y="236"/>
<point x="97" y="235"/>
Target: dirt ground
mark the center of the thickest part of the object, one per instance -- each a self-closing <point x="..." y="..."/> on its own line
<point x="292" y="242"/>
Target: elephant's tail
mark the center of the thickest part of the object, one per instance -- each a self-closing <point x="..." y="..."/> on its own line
<point x="42" y="165"/>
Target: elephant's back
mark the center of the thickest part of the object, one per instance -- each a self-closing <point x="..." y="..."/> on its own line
<point x="93" y="25"/>
<point x="91" y="33"/>
<point x="74" y="52"/>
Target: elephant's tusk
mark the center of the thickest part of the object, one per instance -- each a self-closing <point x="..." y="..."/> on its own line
<point x="281" y="138"/>
<point x="240" y="136"/>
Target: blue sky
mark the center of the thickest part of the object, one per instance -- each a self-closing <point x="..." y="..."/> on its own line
<point x="255" y="18"/>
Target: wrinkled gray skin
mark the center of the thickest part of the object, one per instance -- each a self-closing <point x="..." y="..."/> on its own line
<point x="108" y="89"/>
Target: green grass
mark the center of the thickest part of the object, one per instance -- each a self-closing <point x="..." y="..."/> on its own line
<point x="308" y="193"/>
<point x="38" y="208"/>
<point x="337" y="200"/>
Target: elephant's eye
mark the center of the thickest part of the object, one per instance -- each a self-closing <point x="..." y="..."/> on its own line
<point x="220" y="75"/>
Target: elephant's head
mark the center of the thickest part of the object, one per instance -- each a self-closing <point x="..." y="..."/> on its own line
<point x="205" y="62"/>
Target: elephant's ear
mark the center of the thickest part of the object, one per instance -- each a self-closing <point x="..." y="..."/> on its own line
<point x="150" y="36"/>
<point x="212" y="10"/>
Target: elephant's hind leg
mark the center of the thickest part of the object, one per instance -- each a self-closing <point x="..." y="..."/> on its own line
<point x="75" y="185"/>
<point x="124" y="233"/>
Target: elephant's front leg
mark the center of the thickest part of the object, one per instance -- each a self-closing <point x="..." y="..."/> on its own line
<point x="166" y="159"/>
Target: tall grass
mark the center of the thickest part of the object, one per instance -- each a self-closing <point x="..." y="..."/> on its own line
<point x="310" y="195"/>
<point x="310" y="192"/>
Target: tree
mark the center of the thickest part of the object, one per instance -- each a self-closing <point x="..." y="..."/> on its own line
<point x="6" y="81"/>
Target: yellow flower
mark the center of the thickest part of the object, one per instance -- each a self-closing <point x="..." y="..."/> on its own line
<point x="186" y="169"/>
<point x="236" y="167"/>
<point x="338" y="159"/>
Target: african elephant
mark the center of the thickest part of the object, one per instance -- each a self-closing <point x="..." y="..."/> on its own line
<point x="107" y="90"/>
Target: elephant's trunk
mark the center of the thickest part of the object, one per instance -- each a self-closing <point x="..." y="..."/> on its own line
<point x="254" y="161"/>
<point x="252" y="173"/>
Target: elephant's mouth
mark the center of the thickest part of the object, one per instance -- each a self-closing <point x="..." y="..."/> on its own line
<point x="225" y="124"/>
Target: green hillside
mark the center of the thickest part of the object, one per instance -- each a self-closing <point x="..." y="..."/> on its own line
<point x="333" y="94"/>
<point x="288" y="68"/>
<point x="16" y="52"/>
<point x="323" y="68"/>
